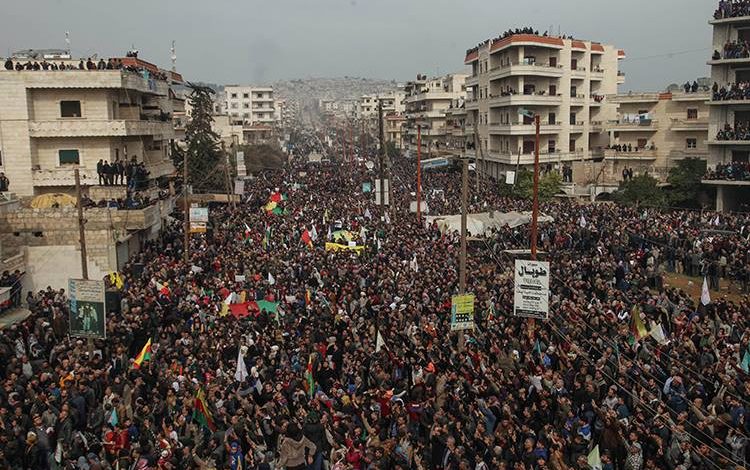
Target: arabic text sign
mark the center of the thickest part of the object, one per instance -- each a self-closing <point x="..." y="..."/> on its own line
<point x="531" y="292"/>
<point x="462" y="312"/>
<point x="87" y="313"/>
<point x="199" y="214"/>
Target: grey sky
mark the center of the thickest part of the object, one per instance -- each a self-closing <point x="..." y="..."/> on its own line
<point x="252" y="41"/>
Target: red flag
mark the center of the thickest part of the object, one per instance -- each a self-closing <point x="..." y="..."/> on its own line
<point x="307" y="239"/>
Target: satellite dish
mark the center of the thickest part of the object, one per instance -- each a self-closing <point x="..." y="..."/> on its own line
<point x="370" y="165"/>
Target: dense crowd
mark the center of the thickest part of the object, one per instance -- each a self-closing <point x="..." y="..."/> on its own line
<point x="320" y="389"/>
<point x="737" y="171"/>
<point x="132" y="174"/>
<point x="88" y="64"/>
<point x="732" y="9"/>
<point x="733" y="50"/>
<point x="740" y="131"/>
<point x="732" y="91"/>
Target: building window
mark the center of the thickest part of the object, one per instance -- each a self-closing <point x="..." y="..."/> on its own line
<point x="246" y="105"/>
<point x="692" y="113"/>
<point x="69" y="157"/>
<point x="552" y="119"/>
<point x="1" y="158"/>
<point x="259" y="95"/>
<point x="246" y="95"/>
<point x="234" y="95"/>
<point x="572" y="119"/>
<point x="551" y="146"/>
<point x="70" y="109"/>
<point x="234" y="105"/>
<point x="692" y="143"/>
<point x="246" y="115"/>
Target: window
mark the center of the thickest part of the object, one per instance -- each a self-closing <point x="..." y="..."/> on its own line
<point x="246" y="105"/>
<point x="572" y="119"/>
<point x="691" y="143"/>
<point x="553" y="61"/>
<point x="260" y="95"/>
<point x="246" y="95"/>
<point x="70" y="109"/>
<point x="69" y="157"/>
<point x="573" y="92"/>
<point x="234" y="95"/>
<point x="574" y="64"/>
<point x="552" y="119"/>
<point x="692" y="113"/>
<point x="572" y="145"/>
<point x="553" y="90"/>
<point x="234" y="105"/>
<point x="551" y="146"/>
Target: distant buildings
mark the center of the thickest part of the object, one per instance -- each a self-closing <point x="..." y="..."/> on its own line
<point x="367" y="105"/>
<point x="564" y="81"/>
<point x="427" y="102"/>
<point x="250" y="105"/>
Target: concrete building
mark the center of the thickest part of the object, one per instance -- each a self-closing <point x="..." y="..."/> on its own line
<point x="564" y="81"/>
<point x="393" y="129"/>
<point x="53" y="122"/>
<point x="729" y="70"/>
<point x="367" y="105"/>
<point x="653" y="131"/>
<point x="427" y="102"/>
<point x="455" y="126"/>
<point x="250" y="105"/>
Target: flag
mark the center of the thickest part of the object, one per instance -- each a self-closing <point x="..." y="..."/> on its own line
<point x="115" y="279"/>
<point x="144" y="355"/>
<point x="637" y="328"/>
<point x="70" y="376"/>
<point x="745" y="364"/>
<point x="113" y="419"/>
<point x="387" y="218"/>
<point x="367" y="213"/>
<point x="266" y="237"/>
<point x="491" y="311"/>
<point x="271" y="279"/>
<point x="162" y="289"/>
<point x="329" y="235"/>
<point x="270" y="206"/>
<point x="201" y="414"/>
<point x="225" y="305"/>
<point x="313" y="233"/>
<point x="325" y="217"/>
<point x="307" y="239"/>
<point x="379" y="342"/>
<point x="308" y="298"/>
<point x="705" y="294"/>
<point x="594" y="459"/>
<point x="309" y="380"/>
<point x="582" y="221"/>
<point x="413" y="264"/>
<point x="241" y="373"/>
<point x="657" y="332"/>
<point x="247" y="232"/>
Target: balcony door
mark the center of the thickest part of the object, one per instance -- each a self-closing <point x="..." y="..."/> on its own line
<point x="528" y="147"/>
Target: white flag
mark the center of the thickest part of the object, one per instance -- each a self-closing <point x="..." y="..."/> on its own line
<point x="582" y="221"/>
<point x="367" y="213"/>
<point x="379" y="342"/>
<point x="313" y="233"/>
<point x="387" y="218"/>
<point x="413" y="264"/>
<point x="657" y="332"/>
<point x="271" y="279"/>
<point x="705" y="295"/>
<point x="241" y="373"/>
<point x="594" y="460"/>
<point x="330" y="235"/>
<point x="717" y="221"/>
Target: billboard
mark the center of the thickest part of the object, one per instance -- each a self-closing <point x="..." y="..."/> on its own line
<point x="531" y="289"/>
<point x="462" y="312"/>
<point x="199" y="214"/>
<point x="87" y="311"/>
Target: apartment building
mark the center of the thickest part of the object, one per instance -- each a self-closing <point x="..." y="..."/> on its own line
<point x="729" y="117"/>
<point x="250" y="105"/>
<point x="367" y="105"/>
<point x="652" y="131"/>
<point x="426" y="104"/>
<point x="564" y="81"/>
<point x="393" y="129"/>
<point x="54" y="122"/>
<point x="455" y="126"/>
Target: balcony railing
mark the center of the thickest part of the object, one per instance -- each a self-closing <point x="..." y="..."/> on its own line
<point x="79" y="127"/>
<point x="689" y="124"/>
<point x="524" y="68"/>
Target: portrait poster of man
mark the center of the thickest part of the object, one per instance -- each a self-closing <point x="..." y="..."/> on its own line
<point x="87" y="311"/>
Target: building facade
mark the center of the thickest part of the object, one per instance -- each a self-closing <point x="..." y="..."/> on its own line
<point x="250" y="105"/>
<point x="426" y="105"/>
<point x="367" y="105"/>
<point x="394" y="129"/>
<point x="564" y="81"/>
<point x="729" y="122"/>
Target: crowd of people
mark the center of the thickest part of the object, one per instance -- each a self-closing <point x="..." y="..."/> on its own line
<point x="351" y="362"/>
<point x="88" y="64"/>
<point x="732" y="91"/>
<point x="732" y="9"/>
<point x="740" y="131"/>
<point x="4" y="183"/>
<point x="736" y="171"/>
<point x="132" y="174"/>
<point x="629" y="148"/>
<point x="733" y="50"/>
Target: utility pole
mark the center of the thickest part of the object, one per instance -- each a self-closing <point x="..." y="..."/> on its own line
<point x="186" y="204"/>
<point x="535" y="208"/>
<point x="419" y="173"/>
<point x="81" y="227"/>
<point x="464" y="197"/>
<point x="381" y="153"/>
<point x="477" y="151"/>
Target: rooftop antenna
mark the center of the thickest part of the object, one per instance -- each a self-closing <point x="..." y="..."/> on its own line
<point x="174" y="57"/>
<point x="67" y="40"/>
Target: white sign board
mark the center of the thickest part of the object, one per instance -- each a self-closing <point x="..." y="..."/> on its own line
<point x="510" y="177"/>
<point x="385" y="192"/>
<point x="531" y="289"/>
<point x="239" y="187"/>
<point x="199" y="214"/>
<point x="423" y="205"/>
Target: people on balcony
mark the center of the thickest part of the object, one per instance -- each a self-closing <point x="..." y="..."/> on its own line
<point x="740" y="131"/>
<point x="732" y="91"/>
<point x="734" y="171"/>
<point x="733" y="50"/>
<point x="732" y="9"/>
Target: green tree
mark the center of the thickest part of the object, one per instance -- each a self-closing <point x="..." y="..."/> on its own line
<point x="205" y="157"/>
<point x="685" y="181"/>
<point x="550" y="184"/>
<point x="641" y="190"/>
<point x="390" y="150"/>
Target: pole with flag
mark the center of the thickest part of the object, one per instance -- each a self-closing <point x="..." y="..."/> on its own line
<point x="201" y="413"/>
<point x="705" y="294"/>
<point x="241" y="373"/>
<point x="144" y="355"/>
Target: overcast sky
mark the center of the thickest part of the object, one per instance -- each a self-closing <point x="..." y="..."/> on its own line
<point x="253" y="41"/>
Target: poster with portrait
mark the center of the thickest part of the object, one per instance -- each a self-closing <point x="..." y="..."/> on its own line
<point x="87" y="311"/>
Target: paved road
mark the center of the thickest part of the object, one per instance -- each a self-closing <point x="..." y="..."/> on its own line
<point x="13" y="316"/>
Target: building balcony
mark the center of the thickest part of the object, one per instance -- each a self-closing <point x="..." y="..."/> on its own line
<point x="64" y="176"/>
<point x="740" y="61"/>
<point x="579" y="72"/>
<point x="538" y="70"/>
<point x="76" y="127"/>
<point x="577" y="127"/>
<point x="98" y="79"/>
<point x="545" y="156"/>
<point x="578" y="100"/>
<point x="731" y="20"/>
<point x="472" y="104"/>
<point x="688" y="153"/>
<point x="620" y="77"/>
<point x="634" y="98"/>
<point x="526" y="100"/>
<point x="472" y="80"/>
<point x="520" y="128"/>
<point x="689" y="125"/>
<point x="728" y="143"/>
<point x="597" y="74"/>
<point x="634" y="126"/>
<point x="596" y="126"/>
<point x="701" y="96"/>
<point x="711" y="102"/>
<point x="641" y="154"/>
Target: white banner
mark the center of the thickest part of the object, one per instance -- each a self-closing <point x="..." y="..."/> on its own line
<point x="531" y="290"/>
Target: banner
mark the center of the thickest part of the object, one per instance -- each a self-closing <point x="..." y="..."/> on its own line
<point x="531" y="289"/>
<point x="199" y="214"/>
<point x="239" y="187"/>
<point x="198" y="227"/>
<point x="87" y="312"/>
<point x="510" y="177"/>
<point x="339" y="247"/>
<point x="462" y="312"/>
<point x="366" y="187"/>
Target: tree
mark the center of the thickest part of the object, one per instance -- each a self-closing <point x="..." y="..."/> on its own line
<point x="205" y="156"/>
<point x="550" y="184"/>
<point x="641" y="190"/>
<point x="391" y="151"/>
<point x="262" y="157"/>
<point x="685" y="181"/>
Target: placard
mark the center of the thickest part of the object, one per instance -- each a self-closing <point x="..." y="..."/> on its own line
<point x="87" y="313"/>
<point x="531" y="289"/>
<point x="199" y="214"/>
<point x="462" y="312"/>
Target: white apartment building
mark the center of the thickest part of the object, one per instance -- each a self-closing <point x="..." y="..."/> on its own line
<point x="250" y="105"/>
<point x="427" y="102"/>
<point x="728" y="69"/>
<point x="393" y="102"/>
<point x="54" y="122"/>
<point x="564" y="81"/>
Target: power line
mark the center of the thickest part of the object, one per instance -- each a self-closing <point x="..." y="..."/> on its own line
<point x="668" y="55"/>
